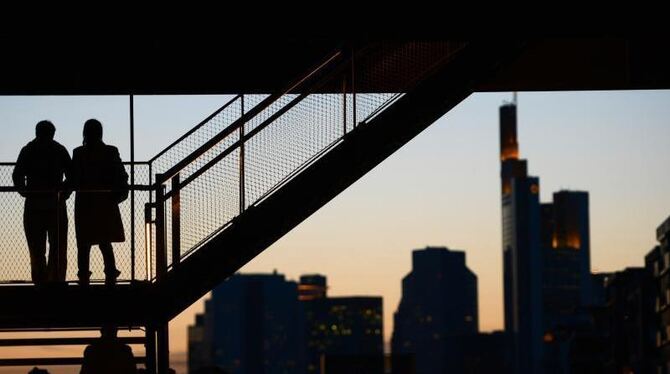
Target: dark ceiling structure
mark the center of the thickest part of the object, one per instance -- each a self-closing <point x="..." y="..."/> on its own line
<point x="153" y="62"/>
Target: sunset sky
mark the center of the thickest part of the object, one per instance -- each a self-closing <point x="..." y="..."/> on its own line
<point x="442" y="189"/>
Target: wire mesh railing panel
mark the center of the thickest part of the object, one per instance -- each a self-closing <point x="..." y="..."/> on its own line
<point x="141" y="198"/>
<point x="14" y="255"/>
<point x="211" y="201"/>
<point x="15" y="259"/>
<point x="196" y="139"/>
<point x="389" y="70"/>
<point x="202" y="134"/>
<point x="297" y="136"/>
<point x="269" y="111"/>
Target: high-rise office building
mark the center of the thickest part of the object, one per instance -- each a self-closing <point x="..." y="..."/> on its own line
<point x="343" y="334"/>
<point x="253" y="323"/>
<point x="438" y="307"/>
<point x="546" y="258"/>
<point x="522" y="252"/>
<point x="630" y="303"/>
<point x="566" y="271"/>
<point x="657" y="263"/>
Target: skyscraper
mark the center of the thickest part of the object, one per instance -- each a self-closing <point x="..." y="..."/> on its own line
<point x="253" y="323"/>
<point x="566" y="278"/>
<point x="546" y="258"/>
<point x="522" y="254"/>
<point x="438" y="306"/>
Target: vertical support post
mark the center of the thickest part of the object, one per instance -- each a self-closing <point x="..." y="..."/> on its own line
<point x="344" y="104"/>
<point x="353" y="85"/>
<point x="132" y="188"/>
<point x="241" y="177"/>
<point x="161" y="250"/>
<point x="148" y="242"/>
<point x="163" y="349"/>
<point x="148" y="231"/>
<point x="150" y="348"/>
<point x="176" y="223"/>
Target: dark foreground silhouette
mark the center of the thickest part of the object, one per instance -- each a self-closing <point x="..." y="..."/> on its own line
<point x="108" y="355"/>
<point x="101" y="183"/>
<point x="37" y="370"/>
<point x="38" y="175"/>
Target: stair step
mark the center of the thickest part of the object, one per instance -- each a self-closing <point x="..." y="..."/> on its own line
<point x="23" y="342"/>
<point x="52" y="361"/>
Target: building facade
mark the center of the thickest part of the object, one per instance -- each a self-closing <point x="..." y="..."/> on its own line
<point x="253" y="323"/>
<point x="657" y="263"/>
<point x="566" y="274"/>
<point x="630" y="303"/>
<point x="438" y="308"/>
<point x="342" y="333"/>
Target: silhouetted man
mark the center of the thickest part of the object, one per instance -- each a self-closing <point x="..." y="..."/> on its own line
<point x="108" y="355"/>
<point x="38" y="175"/>
<point x="101" y="183"/>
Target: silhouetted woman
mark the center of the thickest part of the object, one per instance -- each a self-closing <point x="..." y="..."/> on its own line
<point x="101" y="183"/>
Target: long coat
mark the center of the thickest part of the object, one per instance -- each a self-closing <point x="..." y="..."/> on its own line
<point x="97" y="167"/>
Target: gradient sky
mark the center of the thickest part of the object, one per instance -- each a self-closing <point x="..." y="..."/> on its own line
<point x="440" y="189"/>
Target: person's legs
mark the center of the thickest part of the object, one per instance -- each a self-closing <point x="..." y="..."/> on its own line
<point x="57" y="266"/>
<point x="111" y="273"/>
<point x="83" y="256"/>
<point x="36" y="236"/>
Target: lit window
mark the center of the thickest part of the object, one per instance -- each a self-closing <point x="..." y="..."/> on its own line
<point x="548" y="337"/>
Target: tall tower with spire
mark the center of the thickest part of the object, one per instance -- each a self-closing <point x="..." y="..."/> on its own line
<point x="522" y="255"/>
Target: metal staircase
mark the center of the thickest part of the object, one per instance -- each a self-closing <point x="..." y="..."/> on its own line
<point x="251" y="172"/>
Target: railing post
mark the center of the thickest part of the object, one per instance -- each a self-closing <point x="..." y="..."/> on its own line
<point x="344" y="104"/>
<point x="241" y="177"/>
<point x="353" y="85"/>
<point x="176" y="224"/>
<point x="132" y="190"/>
<point x="148" y="229"/>
<point x="148" y="239"/>
<point x="150" y="349"/>
<point x="161" y="251"/>
<point x="163" y="348"/>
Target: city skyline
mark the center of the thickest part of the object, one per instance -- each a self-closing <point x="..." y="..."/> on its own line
<point x="616" y="243"/>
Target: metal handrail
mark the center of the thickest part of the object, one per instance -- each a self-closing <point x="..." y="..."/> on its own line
<point x="134" y="187"/>
<point x="246" y="117"/>
<point x="194" y="129"/>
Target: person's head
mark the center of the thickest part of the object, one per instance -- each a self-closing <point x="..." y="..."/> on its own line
<point x="108" y="332"/>
<point x="92" y="131"/>
<point x="45" y="130"/>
